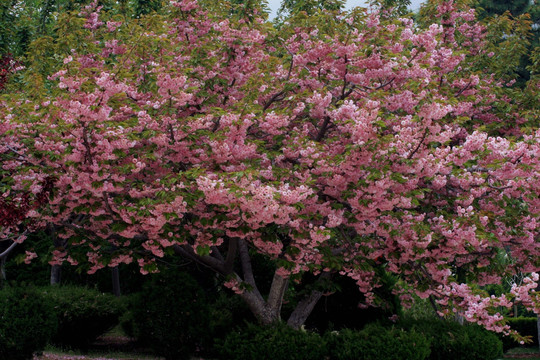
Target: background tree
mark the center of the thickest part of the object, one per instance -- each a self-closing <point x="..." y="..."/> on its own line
<point x="523" y="14"/>
<point x="310" y="7"/>
<point x="499" y="7"/>
<point x="394" y="8"/>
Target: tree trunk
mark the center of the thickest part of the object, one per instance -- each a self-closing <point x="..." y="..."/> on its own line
<point x="303" y="310"/>
<point x="538" y="329"/>
<point x="56" y="274"/>
<point x="3" y="271"/>
<point x="459" y="318"/>
<point x="115" y="272"/>
<point x="269" y="316"/>
<point x="266" y="311"/>
<point x="259" y="307"/>
<point x="276" y="295"/>
<point x="307" y="304"/>
<point x="3" y="258"/>
<point x="56" y="270"/>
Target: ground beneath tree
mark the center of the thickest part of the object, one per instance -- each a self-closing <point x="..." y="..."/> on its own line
<point x="120" y="347"/>
<point x="107" y="347"/>
<point x="523" y="353"/>
<point x="522" y="356"/>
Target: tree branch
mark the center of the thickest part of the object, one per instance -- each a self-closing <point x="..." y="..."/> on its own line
<point x="208" y="261"/>
<point x="323" y="129"/>
<point x="245" y="260"/>
<point x="307" y="304"/>
<point x="6" y="252"/>
<point x="276" y="97"/>
<point x="277" y="290"/>
<point x="231" y="255"/>
<point x="419" y="144"/>
<point x="434" y="306"/>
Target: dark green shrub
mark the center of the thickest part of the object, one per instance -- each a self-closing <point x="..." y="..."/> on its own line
<point x="171" y="315"/>
<point x="376" y="342"/>
<point x="450" y="340"/>
<point x="446" y="337"/>
<point x="27" y="321"/>
<point x="277" y="342"/>
<point x="483" y="345"/>
<point x="227" y="311"/>
<point x="83" y="314"/>
<point x="526" y="326"/>
<point x="127" y="320"/>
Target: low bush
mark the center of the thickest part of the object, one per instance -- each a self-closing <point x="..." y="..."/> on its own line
<point x="482" y="344"/>
<point x="376" y="342"/>
<point x="226" y="312"/>
<point x="277" y="342"/>
<point x="170" y="315"/>
<point x="83" y="314"/>
<point x="27" y="321"/>
<point x="127" y="320"/>
<point x="450" y="340"/>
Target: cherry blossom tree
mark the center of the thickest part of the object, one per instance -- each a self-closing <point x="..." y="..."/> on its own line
<point x="338" y="145"/>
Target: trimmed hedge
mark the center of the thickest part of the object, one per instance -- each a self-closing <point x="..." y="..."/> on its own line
<point x="376" y="342"/>
<point x="526" y="326"/>
<point x="83" y="314"/>
<point x="277" y="342"/>
<point x="280" y="342"/>
<point x="27" y="321"/>
<point x="450" y="340"/>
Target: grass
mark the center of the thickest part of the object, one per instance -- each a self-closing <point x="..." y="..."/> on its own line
<point x="114" y="345"/>
<point x="530" y="353"/>
<point x="52" y="353"/>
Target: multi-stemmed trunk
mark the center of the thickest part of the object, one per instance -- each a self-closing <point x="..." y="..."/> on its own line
<point x="266" y="310"/>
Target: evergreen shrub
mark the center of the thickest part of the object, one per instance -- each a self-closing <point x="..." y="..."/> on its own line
<point x="27" y="321"/>
<point x="276" y="342"/>
<point x="526" y="326"/>
<point x="376" y="342"/>
<point x="450" y="340"/>
<point x="170" y="315"/>
<point x="83" y="314"/>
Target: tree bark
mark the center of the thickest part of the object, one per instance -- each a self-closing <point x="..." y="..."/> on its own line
<point x="304" y="309"/>
<point x="56" y="270"/>
<point x="538" y="329"/>
<point x="275" y="297"/>
<point x="6" y="252"/>
<point x="459" y="318"/>
<point x="307" y="304"/>
<point x="56" y="274"/>
<point x="245" y="260"/>
<point x="3" y="258"/>
<point x="115" y="274"/>
<point x="3" y="271"/>
<point x="266" y="311"/>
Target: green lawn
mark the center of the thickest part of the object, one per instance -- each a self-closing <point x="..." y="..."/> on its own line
<point x="523" y="353"/>
<point x="55" y="354"/>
